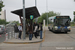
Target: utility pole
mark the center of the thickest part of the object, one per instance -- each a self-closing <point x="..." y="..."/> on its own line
<point x="35" y="3"/>
<point x="5" y="17"/>
<point x="47" y="10"/>
<point x="24" y="31"/>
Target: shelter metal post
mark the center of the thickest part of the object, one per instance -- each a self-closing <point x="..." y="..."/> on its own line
<point x="24" y="31"/>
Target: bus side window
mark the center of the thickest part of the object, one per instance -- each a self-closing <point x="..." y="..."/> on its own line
<point x="55" y="22"/>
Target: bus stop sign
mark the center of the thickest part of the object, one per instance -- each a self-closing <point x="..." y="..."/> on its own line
<point x="31" y="16"/>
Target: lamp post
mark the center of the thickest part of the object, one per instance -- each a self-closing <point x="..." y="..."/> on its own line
<point x="36" y="6"/>
<point x="47" y="10"/>
<point x="24" y="32"/>
<point x="35" y="3"/>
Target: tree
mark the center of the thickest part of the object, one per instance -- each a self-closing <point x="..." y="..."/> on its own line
<point x="74" y="16"/>
<point x="16" y="22"/>
<point x="34" y="20"/>
<point x="74" y="13"/>
<point x="74" y="19"/>
<point x="1" y="5"/>
<point x="3" y="22"/>
<point x="44" y="16"/>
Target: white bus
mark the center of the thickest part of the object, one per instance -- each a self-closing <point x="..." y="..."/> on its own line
<point x="59" y="24"/>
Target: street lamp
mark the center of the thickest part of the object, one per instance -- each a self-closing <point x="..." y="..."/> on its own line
<point x="36" y="6"/>
<point x="35" y="3"/>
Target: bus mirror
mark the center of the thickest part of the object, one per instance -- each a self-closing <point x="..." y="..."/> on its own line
<point x="51" y="19"/>
<point x="54" y="20"/>
<point x="70" y="19"/>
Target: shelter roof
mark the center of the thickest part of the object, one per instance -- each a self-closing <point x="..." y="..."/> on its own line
<point x="28" y="11"/>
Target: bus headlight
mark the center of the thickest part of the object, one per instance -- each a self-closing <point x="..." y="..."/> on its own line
<point x="56" y="27"/>
<point x="69" y="27"/>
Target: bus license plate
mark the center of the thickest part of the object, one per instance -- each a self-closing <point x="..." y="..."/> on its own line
<point x="62" y="30"/>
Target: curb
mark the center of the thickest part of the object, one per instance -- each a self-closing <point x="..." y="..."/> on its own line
<point x="1" y="42"/>
<point x="23" y="42"/>
<point x="26" y="42"/>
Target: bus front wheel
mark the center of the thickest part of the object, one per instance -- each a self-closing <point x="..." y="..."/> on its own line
<point x="65" y="32"/>
<point x="49" y="29"/>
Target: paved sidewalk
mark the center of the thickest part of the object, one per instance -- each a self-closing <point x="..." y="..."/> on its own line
<point x="20" y="44"/>
<point x="25" y="41"/>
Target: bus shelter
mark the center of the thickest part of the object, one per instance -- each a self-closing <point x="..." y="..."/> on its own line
<point x="28" y="11"/>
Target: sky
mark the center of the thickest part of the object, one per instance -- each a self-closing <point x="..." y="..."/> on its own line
<point x="64" y="7"/>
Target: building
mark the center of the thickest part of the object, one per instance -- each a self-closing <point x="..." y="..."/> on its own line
<point x="2" y="16"/>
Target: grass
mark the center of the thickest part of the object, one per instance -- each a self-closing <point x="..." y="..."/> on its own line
<point x="72" y="24"/>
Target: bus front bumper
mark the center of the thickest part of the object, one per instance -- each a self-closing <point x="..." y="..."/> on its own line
<point x="62" y="30"/>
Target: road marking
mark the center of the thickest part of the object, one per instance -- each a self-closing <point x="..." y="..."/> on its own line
<point x="71" y="36"/>
<point x="40" y="46"/>
<point x="42" y="41"/>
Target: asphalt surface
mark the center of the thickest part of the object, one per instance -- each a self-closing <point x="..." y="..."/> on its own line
<point x="53" y="41"/>
<point x="8" y="30"/>
<point x="2" y="38"/>
<point x="59" y="39"/>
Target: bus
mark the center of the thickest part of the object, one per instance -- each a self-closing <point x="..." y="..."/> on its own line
<point x="59" y="24"/>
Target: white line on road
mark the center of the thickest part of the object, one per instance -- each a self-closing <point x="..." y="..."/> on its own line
<point x="40" y="46"/>
<point x="71" y="36"/>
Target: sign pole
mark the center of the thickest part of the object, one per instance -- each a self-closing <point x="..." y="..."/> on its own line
<point x="24" y="32"/>
<point x="31" y="17"/>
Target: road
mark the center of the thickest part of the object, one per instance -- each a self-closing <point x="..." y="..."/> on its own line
<point x="59" y="40"/>
<point x="53" y="41"/>
<point x="2" y="38"/>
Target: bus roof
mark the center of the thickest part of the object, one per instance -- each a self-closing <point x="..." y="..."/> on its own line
<point x="54" y="17"/>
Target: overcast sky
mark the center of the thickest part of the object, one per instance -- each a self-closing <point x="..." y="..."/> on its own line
<point x="65" y="7"/>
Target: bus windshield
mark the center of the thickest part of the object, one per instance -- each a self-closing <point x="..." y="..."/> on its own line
<point x="62" y="22"/>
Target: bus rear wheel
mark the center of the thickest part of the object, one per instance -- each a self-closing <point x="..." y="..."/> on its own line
<point x="53" y="30"/>
<point x="49" y="29"/>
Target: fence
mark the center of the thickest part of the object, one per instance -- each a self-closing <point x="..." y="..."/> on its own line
<point x="9" y="32"/>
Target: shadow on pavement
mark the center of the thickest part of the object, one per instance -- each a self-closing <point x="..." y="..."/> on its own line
<point x="58" y="32"/>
